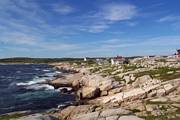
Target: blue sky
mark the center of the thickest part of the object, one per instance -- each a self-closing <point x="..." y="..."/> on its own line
<point x="78" y="28"/>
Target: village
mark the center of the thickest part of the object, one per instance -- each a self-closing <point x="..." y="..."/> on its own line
<point x="122" y="60"/>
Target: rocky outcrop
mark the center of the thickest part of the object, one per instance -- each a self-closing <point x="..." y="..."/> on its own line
<point x="90" y="92"/>
<point x="145" y="81"/>
<point x="160" y="89"/>
<point x="128" y="93"/>
<point x="84" y="112"/>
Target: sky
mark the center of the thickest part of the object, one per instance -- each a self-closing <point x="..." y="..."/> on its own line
<point x="88" y="28"/>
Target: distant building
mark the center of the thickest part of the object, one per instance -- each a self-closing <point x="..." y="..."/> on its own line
<point x="178" y="53"/>
<point x="118" y="60"/>
<point x="85" y="59"/>
<point x="112" y="62"/>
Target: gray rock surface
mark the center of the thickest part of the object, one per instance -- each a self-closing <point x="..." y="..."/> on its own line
<point x="131" y="117"/>
<point x="37" y="117"/>
<point x="112" y="118"/>
<point x="88" y="116"/>
<point x="113" y="112"/>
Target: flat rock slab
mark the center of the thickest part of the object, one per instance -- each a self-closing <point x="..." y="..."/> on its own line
<point x="112" y="118"/>
<point x="36" y="117"/>
<point x="114" y="112"/>
<point x="87" y="116"/>
<point x="131" y="117"/>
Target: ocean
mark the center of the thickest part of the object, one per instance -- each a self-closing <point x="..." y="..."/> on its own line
<point x="20" y="91"/>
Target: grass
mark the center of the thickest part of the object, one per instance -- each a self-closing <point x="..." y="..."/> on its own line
<point x="96" y="69"/>
<point x="156" y="117"/>
<point x="161" y="60"/>
<point x="163" y="73"/>
<point x="162" y="117"/>
<point x="12" y="116"/>
<point x="117" y="78"/>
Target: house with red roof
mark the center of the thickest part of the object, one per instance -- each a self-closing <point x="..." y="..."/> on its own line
<point x="178" y="53"/>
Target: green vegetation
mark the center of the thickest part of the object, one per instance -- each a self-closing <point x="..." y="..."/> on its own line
<point x="12" y="116"/>
<point x="163" y="73"/>
<point x="117" y="78"/>
<point x="162" y="117"/>
<point x="39" y="60"/>
<point x="129" y="67"/>
<point x="107" y="71"/>
<point x="161" y="60"/>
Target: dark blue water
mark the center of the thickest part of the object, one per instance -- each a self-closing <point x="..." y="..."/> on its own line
<point x="19" y="90"/>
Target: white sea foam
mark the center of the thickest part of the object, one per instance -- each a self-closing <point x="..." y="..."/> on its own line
<point x="52" y="74"/>
<point x="68" y="88"/>
<point x="41" y="86"/>
<point x="58" y="72"/>
<point x="46" y="70"/>
<point x="34" y="81"/>
<point x="33" y="84"/>
<point x="37" y="69"/>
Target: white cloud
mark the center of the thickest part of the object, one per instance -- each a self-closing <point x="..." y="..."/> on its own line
<point x="118" y="12"/>
<point x="109" y="14"/>
<point x="19" y="39"/>
<point x="36" y="42"/>
<point x="97" y="28"/>
<point x="58" y="46"/>
<point x="63" y="9"/>
<point x="169" y="18"/>
<point x="155" y="41"/>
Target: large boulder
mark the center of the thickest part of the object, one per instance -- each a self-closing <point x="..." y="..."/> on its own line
<point x="90" y="92"/>
<point x="106" y="85"/>
<point x="145" y="81"/>
<point x="141" y="80"/>
<point x="97" y="81"/>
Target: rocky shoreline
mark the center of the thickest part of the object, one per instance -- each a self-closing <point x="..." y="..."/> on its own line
<point x="120" y="95"/>
<point x="142" y="97"/>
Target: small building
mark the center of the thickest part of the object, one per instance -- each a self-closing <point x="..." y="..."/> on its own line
<point x="178" y="54"/>
<point x="118" y="60"/>
<point x="85" y="59"/>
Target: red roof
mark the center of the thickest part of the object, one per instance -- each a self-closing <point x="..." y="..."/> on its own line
<point x="177" y="56"/>
<point x="119" y="57"/>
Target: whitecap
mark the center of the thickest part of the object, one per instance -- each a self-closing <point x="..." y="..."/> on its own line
<point x="58" y="72"/>
<point x="46" y="70"/>
<point x="40" y="86"/>
<point x="52" y="74"/>
<point x="61" y="88"/>
<point x="34" y="81"/>
<point x="37" y="69"/>
<point x="26" y="83"/>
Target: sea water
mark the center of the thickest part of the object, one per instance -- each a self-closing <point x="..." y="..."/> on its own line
<point x="20" y="91"/>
